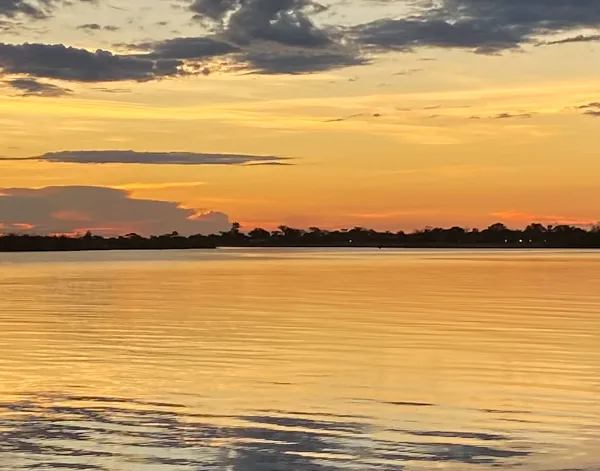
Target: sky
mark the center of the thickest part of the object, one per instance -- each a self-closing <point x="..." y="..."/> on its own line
<point x="151" y="116"/>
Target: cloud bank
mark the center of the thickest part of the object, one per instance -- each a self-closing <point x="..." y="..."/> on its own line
<point x="286" y="37"/>
<point x="483" y="26"/>
<point x="105" y="211"/>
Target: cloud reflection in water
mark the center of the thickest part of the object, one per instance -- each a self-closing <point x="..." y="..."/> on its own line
<point x="104" y="433"/>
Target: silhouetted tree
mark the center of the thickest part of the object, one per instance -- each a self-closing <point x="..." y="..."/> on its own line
<point x="259" y="234"/>
<point x="496" y="235"/>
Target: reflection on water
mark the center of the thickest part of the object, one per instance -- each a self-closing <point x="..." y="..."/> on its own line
<point x="300" y="360"/>
<point x="73" y="432"/>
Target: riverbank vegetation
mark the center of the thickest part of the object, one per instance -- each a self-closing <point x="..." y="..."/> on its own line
<point x="496" y="236"/>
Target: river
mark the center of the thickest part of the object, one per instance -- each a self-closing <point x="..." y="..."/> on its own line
<point x="300" y="360"/>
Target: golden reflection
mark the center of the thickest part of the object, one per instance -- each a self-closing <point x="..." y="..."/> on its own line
<point x="496" y="341"/>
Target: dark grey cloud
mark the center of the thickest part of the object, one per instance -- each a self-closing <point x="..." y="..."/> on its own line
<point x="197" y="48"/>
<point x="298" y="62"/>
<point x="37" y="9"/>
<point x="285" y="22"/>
<point x="156" y="158"/>
<point x="269" y="36"/>
<point x="410" y="34"/>
<point x="213" y="9"/>
<point x="284" y="37"/>
<point x="103" y="210"/>
<point x="31" y="87"/>
<point x="13" y="8"/>
<point x="287" y="32"/>
<point x="483" y="26"/>
<point x="57" y="61"/>
<point x="531" y="17"/>
<point x="255" y="57"/>
<point x="258" y="36"/>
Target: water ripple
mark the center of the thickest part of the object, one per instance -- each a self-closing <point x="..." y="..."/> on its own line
<point x="302" y="360"/>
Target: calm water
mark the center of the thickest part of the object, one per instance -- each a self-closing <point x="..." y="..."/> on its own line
<point x="300" y="360"/>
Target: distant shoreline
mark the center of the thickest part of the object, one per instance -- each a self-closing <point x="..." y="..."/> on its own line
<point x="521" y="247"/>
<point x="496" y="236"/>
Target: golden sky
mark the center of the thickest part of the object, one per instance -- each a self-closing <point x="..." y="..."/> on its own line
<point x="387" y="114"/>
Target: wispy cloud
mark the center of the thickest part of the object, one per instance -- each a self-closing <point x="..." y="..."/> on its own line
<point x="28" y="87"/>
<point x="352" y="116"/>
<point x="158" y="186"/>
<point x="582" y="38"/>
<point x="591" y="109"/>
<point x="92" y="27"/>
<point x="521" y="216"/>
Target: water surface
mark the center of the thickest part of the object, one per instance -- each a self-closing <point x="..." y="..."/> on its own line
<point x="300" y="360"/>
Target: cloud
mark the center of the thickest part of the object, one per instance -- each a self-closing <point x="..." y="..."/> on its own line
<point x="108" y="211"/>
<point x="505" y="115"/>
<point x="482" y="26"/>
<point x="261" y="36"/>
<point x="32" y="87"/>
<point x="268" y="164"/>
<point x="575" y="39"/>
<point x="408" y="34"/>
<point x="285" y="22"/>
<point x="158" y="186"/>
<point x="33" y="9"/>
<point x="352" y="116"/>
<point x="545" y="218"/>
<point x="512" y="115"/>
<point x="156" y="158"/>
<point x="284" y="37"/>
<point x="298" y="62"/>
<point x="57" y="61"/>
<point x="37" y="9"/>
<point x="91" y="27"/>
<point x="591" y="109"/>
<point x="255" y="57"/>
<point x="112" y="90"/>
<point x="407" y="72"/>
<point x="169" y="58"/>
<point x="187" y="48"/>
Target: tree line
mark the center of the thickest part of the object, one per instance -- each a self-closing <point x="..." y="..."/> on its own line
<point x="497" y="236"/>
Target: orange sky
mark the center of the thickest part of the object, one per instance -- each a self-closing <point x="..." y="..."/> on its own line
<point x="445" y="133"/>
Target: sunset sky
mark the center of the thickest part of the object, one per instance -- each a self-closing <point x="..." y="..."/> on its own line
<point x="160" y="115"/>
